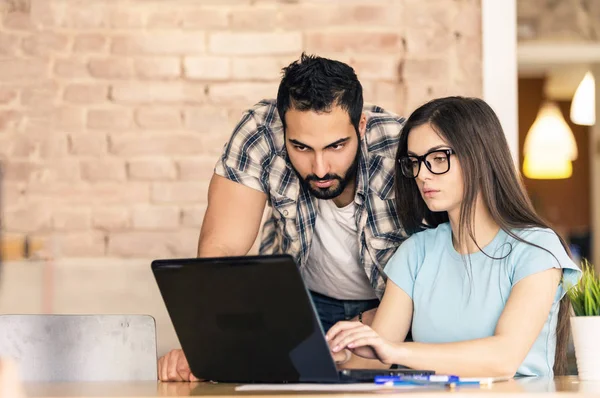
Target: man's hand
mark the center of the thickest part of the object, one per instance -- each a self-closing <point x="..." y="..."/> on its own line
<point x="174" y="367"/>
<point x="367" y="317"/>
<point x="10" y="385"/>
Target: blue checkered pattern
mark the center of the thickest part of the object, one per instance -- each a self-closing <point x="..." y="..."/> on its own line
<point x="256" y="157"/>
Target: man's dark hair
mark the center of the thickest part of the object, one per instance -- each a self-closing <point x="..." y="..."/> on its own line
<point x="318" y="84"/>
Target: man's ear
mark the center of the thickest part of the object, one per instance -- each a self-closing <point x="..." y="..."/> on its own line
<point x="362" y="125"/>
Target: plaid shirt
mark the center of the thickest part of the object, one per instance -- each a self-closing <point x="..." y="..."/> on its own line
<point x="256" y="157"/>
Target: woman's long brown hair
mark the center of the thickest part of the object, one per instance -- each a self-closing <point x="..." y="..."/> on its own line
<point x="472" y="128"/>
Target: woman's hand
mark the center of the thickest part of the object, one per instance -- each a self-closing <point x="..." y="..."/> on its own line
<point x="362" y="341"/>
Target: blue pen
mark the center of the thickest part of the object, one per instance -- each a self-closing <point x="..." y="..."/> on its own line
<point x="409" y="382"/>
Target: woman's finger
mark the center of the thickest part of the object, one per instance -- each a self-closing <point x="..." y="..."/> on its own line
<point x="357" y="327"/>
<point x="352" y="337"/>
<point x="366" y="341"/>
<point x="340" y="327"/>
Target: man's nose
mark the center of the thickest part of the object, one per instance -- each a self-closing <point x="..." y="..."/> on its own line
<point x="320" y="166"/>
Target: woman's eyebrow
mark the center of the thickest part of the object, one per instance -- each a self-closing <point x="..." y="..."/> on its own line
<point x="435" y="148"/>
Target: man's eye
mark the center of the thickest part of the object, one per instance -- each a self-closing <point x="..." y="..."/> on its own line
<point x="300" y="148"/>
<point x="337" y="147"/>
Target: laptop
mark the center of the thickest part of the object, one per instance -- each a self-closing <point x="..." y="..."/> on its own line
<point x="250" y="319"/>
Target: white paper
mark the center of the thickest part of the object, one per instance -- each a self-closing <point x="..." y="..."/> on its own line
<point x="486" y="380"/>
<point x="322" y="387"/>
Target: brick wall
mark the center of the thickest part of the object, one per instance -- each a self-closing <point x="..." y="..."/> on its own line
<point x="112" y="113"/>
<point x="558" y="20"/>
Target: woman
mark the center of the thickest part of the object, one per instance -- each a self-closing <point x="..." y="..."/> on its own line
<point x="480" y="278"/>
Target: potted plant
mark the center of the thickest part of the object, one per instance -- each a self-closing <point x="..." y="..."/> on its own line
<point x="585" y="299"/>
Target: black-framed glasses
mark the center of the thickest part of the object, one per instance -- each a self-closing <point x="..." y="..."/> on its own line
<point x="436" y="161"/>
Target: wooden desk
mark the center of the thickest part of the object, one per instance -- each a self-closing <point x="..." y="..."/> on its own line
<point x="562" y="387"/>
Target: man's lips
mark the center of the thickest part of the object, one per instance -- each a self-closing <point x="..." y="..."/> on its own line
<point x="324" y="184"/>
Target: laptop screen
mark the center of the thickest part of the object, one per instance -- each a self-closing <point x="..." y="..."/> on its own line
<point x="255" y="309"/>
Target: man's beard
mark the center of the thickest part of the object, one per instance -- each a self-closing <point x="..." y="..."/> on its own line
<point x="334" y="190"/>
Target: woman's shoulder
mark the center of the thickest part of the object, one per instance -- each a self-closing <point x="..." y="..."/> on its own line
<point x="538" y="249"/>
<point x="426" y="239"/>
<point x="432" y="233"/>
<point x="544" y="237"/>
<point x="408" y="259"/>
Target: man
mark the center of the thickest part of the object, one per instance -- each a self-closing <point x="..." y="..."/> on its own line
<point x="325" y="166"/>
<point x="10" y="384"/>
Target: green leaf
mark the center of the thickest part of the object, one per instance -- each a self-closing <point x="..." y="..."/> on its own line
<point x="585" y="294"/>
<point x="577" y="308"/>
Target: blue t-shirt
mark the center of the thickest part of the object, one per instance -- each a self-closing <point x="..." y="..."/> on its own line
<point x="461" y="297"/>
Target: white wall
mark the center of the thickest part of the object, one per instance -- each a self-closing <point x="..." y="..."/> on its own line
<point x="499" y="29"/>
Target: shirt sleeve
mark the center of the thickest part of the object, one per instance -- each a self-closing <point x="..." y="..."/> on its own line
<point x="403" y="267"/>
<point x="246" y="156"/>
<point x="529" y="260"/>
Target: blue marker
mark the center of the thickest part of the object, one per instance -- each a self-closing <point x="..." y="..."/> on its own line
<point x="464" y="383"/>
<point x="427" y="378"/>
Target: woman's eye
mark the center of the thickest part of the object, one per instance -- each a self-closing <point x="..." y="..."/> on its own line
<point x="439" y="159"/>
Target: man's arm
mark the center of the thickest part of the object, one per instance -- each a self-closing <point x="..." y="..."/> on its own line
<point x="232" y="218"/>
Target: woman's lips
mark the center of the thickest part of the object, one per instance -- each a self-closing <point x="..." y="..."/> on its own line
<point x="430" y="193"/>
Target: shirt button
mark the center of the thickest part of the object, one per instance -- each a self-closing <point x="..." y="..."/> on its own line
<point x="285" y="213"/>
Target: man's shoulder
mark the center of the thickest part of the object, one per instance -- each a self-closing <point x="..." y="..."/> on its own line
<point x="260" y="124"/>
<point x="254" y="149"/>
<point x="264" y="113"/>
<point x="383" y="130"/>
<point x="382" y="114"/>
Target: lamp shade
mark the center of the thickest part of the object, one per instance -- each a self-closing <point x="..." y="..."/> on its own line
<point x="540" y="166"/>
<point x="583" y="106"/>
<point x="549" y="146"/>
<point x="551" y="133"/>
